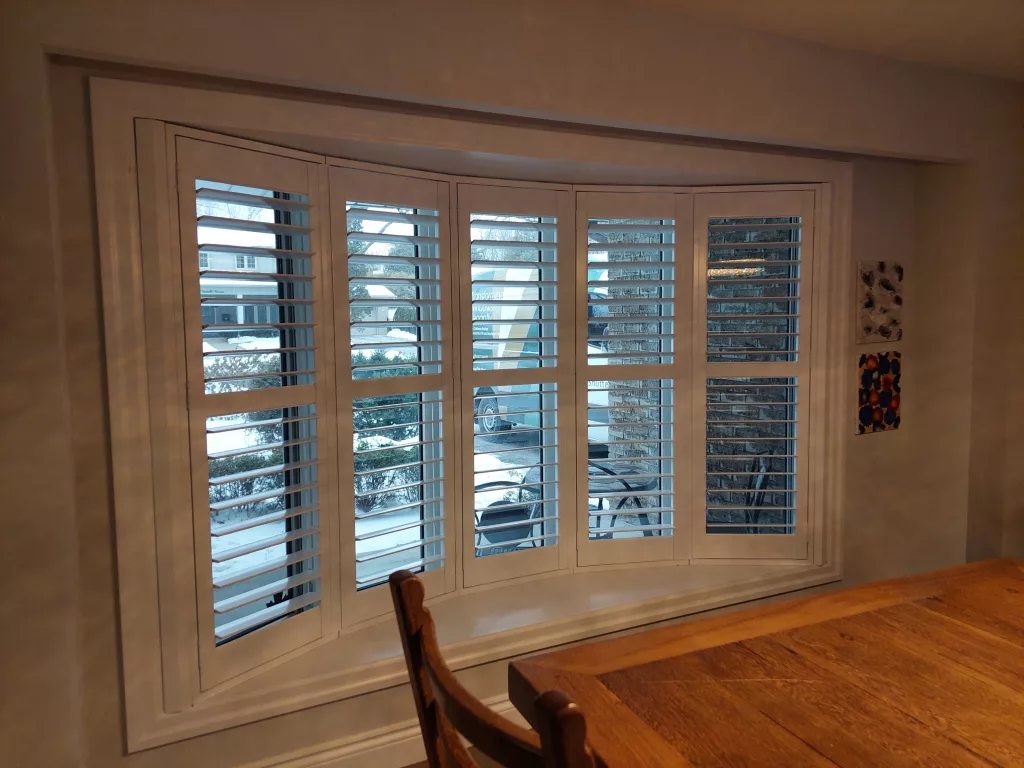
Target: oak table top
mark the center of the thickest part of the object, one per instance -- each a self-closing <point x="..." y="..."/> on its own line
<point x="921" y="671"/>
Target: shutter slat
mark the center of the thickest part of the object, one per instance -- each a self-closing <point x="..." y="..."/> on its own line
<point x="281" y="585"/>
<point x="242" y="626"/>
<point x="276" y="277"/>
<point x="763" y="244"/>
<point x="273" y="517"/>
<point x="266" y="543"/>
<point x="247" y="225"/>
<point x="513" y="524"/>
<point x="384" y="237"/>
<point x="518" y="542"/>
<point x="248" y="250"/>
<point x="381" y="576"/>
<point x="519" y="245"/>
<point x="267" y="566"/>
<point x="401" y="548"/>
<point x="375" y="259"/>
<point x="355" y="212"/>
<point x="253" y="498"/>
<point x="476" y="222"/>
<point x="251" y="201"/>
<point x="512" y="264"/>
<point x="217" y="301"/>
<point x="610" y="247"/>
<point x="262" y="375"/>
<point x="400" y="508"/>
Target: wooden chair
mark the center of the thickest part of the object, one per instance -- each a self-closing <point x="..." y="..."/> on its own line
<point x="446" y="709"/>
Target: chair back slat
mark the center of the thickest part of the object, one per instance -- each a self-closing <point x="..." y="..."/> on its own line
<point x="446" y="710"/>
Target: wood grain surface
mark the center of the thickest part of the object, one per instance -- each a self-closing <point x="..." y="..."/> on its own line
<point x="922" y="671"/>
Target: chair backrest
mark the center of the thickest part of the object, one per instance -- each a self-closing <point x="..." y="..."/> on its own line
<point x="446" y="709"/>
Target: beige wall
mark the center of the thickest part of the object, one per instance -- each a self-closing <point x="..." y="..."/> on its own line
<point x="920" y="498"/>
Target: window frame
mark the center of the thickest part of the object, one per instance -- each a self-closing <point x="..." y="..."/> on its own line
<point x="160" y="703"/>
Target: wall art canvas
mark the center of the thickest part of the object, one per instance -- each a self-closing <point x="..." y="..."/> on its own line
<point x="879" y="301"/>
<point x="878" y="408"/>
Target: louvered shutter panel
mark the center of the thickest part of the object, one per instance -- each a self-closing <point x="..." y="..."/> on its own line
<point x="396" y="425"/>
<point x="515" y="251"/>
<point x="633" y="305"/>
<point x="755" y="254"/>
<point x="249" y="229"/>
<point x="630" y="291"/>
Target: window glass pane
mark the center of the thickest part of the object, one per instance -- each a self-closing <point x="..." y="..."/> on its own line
<point x="751" y="455"/>
<point x="630" y="291"/>
<point x="255" y="287"/>
<point x="399" y="492"/>
<point x="263" y="517"/>
<point x="514" y="273"/>
<point x="629" y="465"/>
<point x="394" y="290"/>
<point x="753" y="289"/>
<point x="515" y="467"/>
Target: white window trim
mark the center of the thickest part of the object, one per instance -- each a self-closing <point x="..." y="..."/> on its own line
<point x="158" y="693"/>
<point x="678" y="206"/>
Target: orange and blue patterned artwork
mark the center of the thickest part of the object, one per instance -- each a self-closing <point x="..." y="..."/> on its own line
<point x="879" y="390"/>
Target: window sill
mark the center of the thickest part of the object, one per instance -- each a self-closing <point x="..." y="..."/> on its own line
<point x="481" y="627"/>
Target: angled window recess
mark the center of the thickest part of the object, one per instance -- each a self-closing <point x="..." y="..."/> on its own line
<point x="350" y="369"/>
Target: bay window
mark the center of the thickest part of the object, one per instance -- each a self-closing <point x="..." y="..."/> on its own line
<point x="354" y="369"/>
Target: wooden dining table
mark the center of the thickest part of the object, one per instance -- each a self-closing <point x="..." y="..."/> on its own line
<point x="920" y="671"/>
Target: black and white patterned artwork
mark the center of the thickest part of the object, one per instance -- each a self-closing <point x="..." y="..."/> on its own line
<point x="879" y="301"/>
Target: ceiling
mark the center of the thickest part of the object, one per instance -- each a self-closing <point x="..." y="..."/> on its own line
<point x="981" y="36"/>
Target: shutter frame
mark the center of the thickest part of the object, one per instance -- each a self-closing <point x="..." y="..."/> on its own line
<point x="248" y="648"/>
<point x="676" y="206"/>
<point x="751" y="205"/>
<point x="361" y="600"/>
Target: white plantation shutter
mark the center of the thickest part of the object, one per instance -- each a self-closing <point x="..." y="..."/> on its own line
<point x="391" y="254"/>
<point x="515" y="251"/>
<point x="394" y="280"/>
<point x="634" y="305"/>
<point x="249" y="229"/>
<point x="630" y="291"/>
<point x="752" y="361"/>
